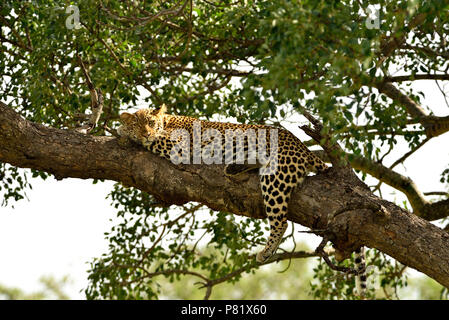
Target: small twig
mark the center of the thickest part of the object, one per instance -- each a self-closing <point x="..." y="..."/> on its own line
<point x="336" y="154"/>
<point x="113" y="132"/>
<point x="386" y="153"/>
<point x="318" y="232"/>
<point x="443" y="93"/>
<point x="320" y="251"/>
<point x="97" y="101"/>
<point x="436" y="193"/>
<point x="408" y="154"/>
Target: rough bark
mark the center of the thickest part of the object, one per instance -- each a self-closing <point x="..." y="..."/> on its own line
<point x="361" y="218"/>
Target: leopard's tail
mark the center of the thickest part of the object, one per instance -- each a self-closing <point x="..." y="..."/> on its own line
<point x="360" y="267"/>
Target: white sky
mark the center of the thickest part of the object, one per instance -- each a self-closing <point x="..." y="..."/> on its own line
<point x="61" y="228"/>
<point x="56" y="233"/>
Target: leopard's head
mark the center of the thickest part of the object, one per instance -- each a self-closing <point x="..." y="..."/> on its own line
<point x="145" y="124"/>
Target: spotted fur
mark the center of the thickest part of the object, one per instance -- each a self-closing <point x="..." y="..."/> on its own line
<point x="152" y="129"/>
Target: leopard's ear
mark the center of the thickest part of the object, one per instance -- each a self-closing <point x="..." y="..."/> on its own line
<point x="126" y="117"/>
<point x="160" y="111"/>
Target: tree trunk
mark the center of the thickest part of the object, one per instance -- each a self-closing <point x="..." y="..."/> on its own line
<point x="361" y="218"/>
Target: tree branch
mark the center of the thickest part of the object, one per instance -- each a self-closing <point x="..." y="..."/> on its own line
<point x="433" y="125"/>
<point x="412" y="77"/>
<point x="395" y="41"/>
<point x="96" y="97"/>
<point x="395" y="94"/>
<point x="426" y="50"/>
<point x="421" y="206"/>
<point x="404" y="236"/>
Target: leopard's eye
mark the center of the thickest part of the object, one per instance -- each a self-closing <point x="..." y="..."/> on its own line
<point x="151" y="123"/>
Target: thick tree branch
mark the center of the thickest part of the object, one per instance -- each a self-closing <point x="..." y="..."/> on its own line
<point x="421" y="206"/>
<point x="394" y="231"/>
<point x="395" y="94"/>
<point x="433" y="125"/>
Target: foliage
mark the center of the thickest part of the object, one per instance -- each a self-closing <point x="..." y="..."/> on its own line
<point x="51" y="289"/>
<point x="153" y="242"/>
<point x="385" y="278"/>
<point x="274" y="281"/>
<point x="13" y="184"/>
<point x="253" y="61"/>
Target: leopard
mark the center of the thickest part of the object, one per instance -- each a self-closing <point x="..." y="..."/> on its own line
<point x="152" y="128"/>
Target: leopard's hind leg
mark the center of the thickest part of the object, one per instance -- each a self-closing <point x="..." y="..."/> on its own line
<point x="276" y="191"/>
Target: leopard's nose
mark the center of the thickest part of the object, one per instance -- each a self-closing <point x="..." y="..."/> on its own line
<point x="144" y="133"/>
